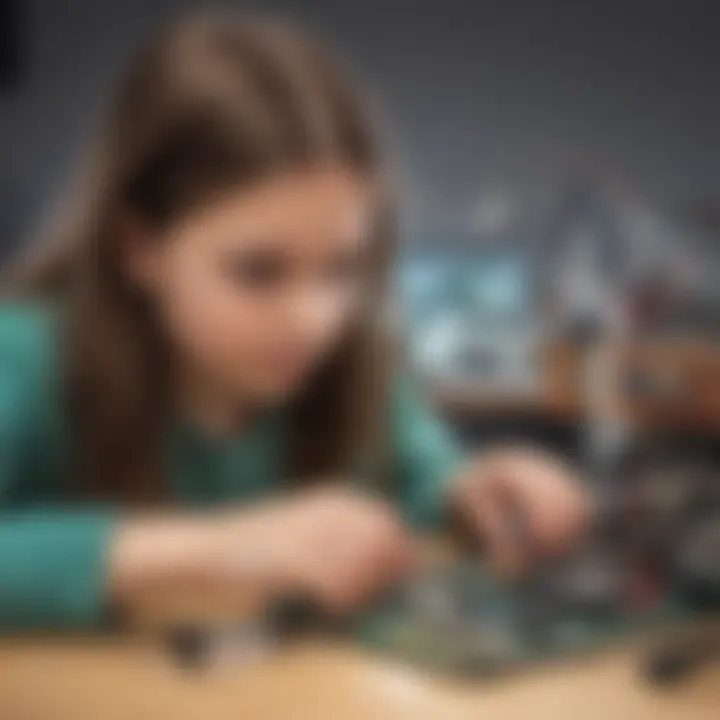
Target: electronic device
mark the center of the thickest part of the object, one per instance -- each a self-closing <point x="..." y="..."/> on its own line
<point x="651" y="560"/>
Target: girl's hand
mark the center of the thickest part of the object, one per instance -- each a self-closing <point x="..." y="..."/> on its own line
<point x="522" y="504"/>
<point x="335" y="546"/>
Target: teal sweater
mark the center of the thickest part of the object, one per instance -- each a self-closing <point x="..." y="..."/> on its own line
<point x="53" y="554"/>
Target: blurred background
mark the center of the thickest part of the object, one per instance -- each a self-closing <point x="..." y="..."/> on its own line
<point x="561" y="167"/>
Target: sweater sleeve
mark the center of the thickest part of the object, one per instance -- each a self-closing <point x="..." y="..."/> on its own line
<point x="426" y="457"/>
<point x="52" y="557"/>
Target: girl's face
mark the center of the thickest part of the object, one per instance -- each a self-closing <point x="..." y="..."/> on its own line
<point x="256" y="289"/>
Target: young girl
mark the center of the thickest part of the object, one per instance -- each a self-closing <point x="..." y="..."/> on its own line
<point x="195" y="374"/>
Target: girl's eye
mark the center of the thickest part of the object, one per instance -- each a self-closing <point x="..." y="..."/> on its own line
<point x="268" y="269"/>
<point x="256" y="271"/>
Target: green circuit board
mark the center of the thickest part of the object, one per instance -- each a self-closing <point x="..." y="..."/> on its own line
<point x="462" y="620"/>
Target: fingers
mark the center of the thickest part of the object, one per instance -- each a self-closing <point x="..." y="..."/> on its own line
<point x="484" y="504"/>
<point x="525" y="505"/>
<point x="503" y="545"/>
<point x="569" y="504"/>
<point x="357" y="548"/>
<point x="553" y="503"/>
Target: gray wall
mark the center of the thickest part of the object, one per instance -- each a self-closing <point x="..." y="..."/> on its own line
<point x="481" y="93"/>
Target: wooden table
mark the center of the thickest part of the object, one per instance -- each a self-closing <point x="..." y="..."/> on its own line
<point x="106" y="680"/>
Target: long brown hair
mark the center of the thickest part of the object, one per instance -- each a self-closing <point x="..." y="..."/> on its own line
<point x="210" y="104"/>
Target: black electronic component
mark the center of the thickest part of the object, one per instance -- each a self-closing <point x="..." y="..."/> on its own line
<point x="676" y="661"/>
<point x="197" y="646"/>
<point x="592" y="584"/>
<point x="189" y="646"/>
<point x="291" y="616"/>
<point x="697" y="561"/>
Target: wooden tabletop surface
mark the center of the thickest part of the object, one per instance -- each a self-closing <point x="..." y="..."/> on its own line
<point x="112" y="680"/>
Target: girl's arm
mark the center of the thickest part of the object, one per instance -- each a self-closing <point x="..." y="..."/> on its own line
<point x="488" y="493"/>
<point x="64" y="567"/>
<point x="53" y="568"/>
<point x="52" y="560"/>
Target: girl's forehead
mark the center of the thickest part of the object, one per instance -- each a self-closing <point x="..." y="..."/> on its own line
<point x="298" y="212"/>
<point x="333" y="195"/>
